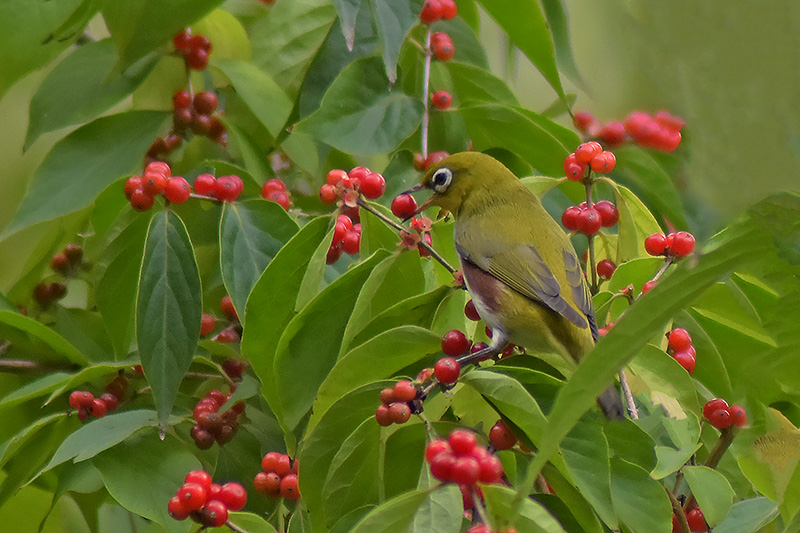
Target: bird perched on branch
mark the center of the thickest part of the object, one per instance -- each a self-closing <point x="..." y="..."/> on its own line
<point x="519" y="266"/>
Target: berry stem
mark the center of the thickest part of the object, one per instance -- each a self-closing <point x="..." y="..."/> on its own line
<point x="633" y="411"/>
<point x="17" y="366"/>
<point x="422" y="244"/>
<point x="663" y="268"/>
<point x="426" y="81"/>
<point x="476" y="498"/>
<point x="592" y="262"/>
<point x="678" y="510"/>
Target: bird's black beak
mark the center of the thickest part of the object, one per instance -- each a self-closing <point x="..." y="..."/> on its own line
<point x="415" y="188"/>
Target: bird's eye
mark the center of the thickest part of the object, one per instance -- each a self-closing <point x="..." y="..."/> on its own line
<point x="441" y="179"/>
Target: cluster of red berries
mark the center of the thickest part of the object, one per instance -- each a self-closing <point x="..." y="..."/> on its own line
<point x="459" y="459"/>
<point x="442" y="46"/>
<point x="279" y="477"/>
<point x="195" y="49"/>
<point x="87" y="404"/>
<point x="695" y="519"/>
<point x="223" y="188"/>
<point x="423" y="163"/>
<point x="274" y="190"/>
<point x="441" y="100"/>
<point x="397" y="403"/>
<point x="675" y="245"/>
<point x="347" y="186"/>
<point x="234" y="368"/>
<point x="210" y="425"/>
<point x="721" y="415"/>
<point x="206" y="502"/>
<point x="501" y="437"/>
<point x="233" y="332"/>
<point x="346" y="238"/>
<point x="434" y="10"/>
<point x="660" y="131"/>
<point x="67" y="261"/>
<point x="679" y="345"/>
<point x="162" y="147"/>
<point x="47" y="293"/>
<point x="589" y="154"/>
<point x="589" y="220"/>
<point x="195" y="112"/>
<point x="141" y="191"/>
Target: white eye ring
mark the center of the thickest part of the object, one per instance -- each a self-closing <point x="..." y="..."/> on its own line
<point x="441" y="179"/>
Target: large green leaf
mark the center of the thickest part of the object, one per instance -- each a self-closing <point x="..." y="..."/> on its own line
<point x="140" y="26"/>
<point x="168" y="309"/>
<point x="55" y="347"/>
<point x="477" y="85"/>
<point x="14" y="444"/>
<point x="527" y="28"/>
<point x="263" y="96"/>
<point x="250" y="234"/>
<point x="441" y="512"/>
<point x="84" y="163"/>
<point x="79" y="88"/>
<point x="750" y="516"/>
<point x="554" y="10"/>
<point x="533" y="517"/>
<point x="348" y="13"/>
<point x="639" y="501"/>
<point x="309" y="346"/>
<point x="393" y="20"/>
<point x="393" y="515"/>
<point x="713" y="492"/>
<point x="360" y="115"/>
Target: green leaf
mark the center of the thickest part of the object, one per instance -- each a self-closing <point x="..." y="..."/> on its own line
<point x="14" y="444"/>
<point x="684" y="434"/>
<point x="249" y="523"/>
<point x="393" y="515"/>
<point x="79" y="88"/>
<point x="541" y="142"/>
<point x="478" y="86"/>
<point x="84" y="330"/>
<point x="251" y="232"/>
<point x="359" y="115"/>
<point x="259" y="92"/>
<point x="527" y="28"/>
<point x="666" y="376"/>
<point x="272" y="300"/>
<point x="99" y="435"/>
<point x="375" y="233"/>
<point x="136" y="31"/>
<point x="394" y="350"/>
<point x="750" y="516"/>
<point x="353" y="479"/>
<point x="393" y="21"/>
<point x="285" y="42"/>
<point x="627" y="439"/>
<point x="635" y="224"/>
<point x="34" y="389"/>
<point x="168" y="309"/>
<point x="309" y="346"/>
<point x="557" y="22"/>
<point x="144" y="484"/>
<point x="348" y="13"/>
<point x="441" y="512"/>
<point x="713" y="492"/>
<point x="640" y="502"/>
<point x="84" y="163"/>
<point x="226" y="33"/>
<point x="54" y="346"/>
<point x="533" y="516"/>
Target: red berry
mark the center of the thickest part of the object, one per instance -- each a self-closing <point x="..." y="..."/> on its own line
<point x="197" y="59"/>
<point x="133" y="183"/>
<point x="284" y="465"/>
<point x="404" y="206"/>
<point x="80" y="399"/>
<point x="586" y="152"/>
<point x="575" y="172"/>
<point x="176" y="509"/>
<point x="207" y="324"/>
<point x="720" y="419"/>
<point x="290" y="487"/>
<point x="267" y="483"/>
<point x="227" y="335"/>
<point x="679" y="340"/>
<point x="226" y="306"/>
<point x="158" y="167"/>
<point x="204" y="184"/>
<point x="604" y="162"/>
<point x="442" y="46"/>
<point x="647" y="287"/>
<point x="98" y="408"/>
<point x="233" y="496"/>
<point x="471" y="312"/>
<point x="431" y="11"/>
<point x="373" y="185"/>
<point x="228" y="188"/>
<point x="214" y="514"/>
<point x="269" y="463"/>
<point x="571" y="217"/>
<point x="153" y="184"/>
<point x="490" y="469"/>
<point x="738" y="415"/>
<point x="589" y="221"/>
<point x="606" y="268"/>
<point x="181" y="41"/>
<point x="434" y="158"/>
<point x="612" y="133"/>
<point x="465" y="471"/>
<point x="447" y="370"/>
<point x="655" y="244"/>
<point x="682" y="244"/>
<point x="442" y="466"/>
<point x="696" y="520"/>
<point x="334" y="253"/>
<point x="399" y="412"/>
<point x="178" y="190"/>
<point x="481" y="528"/>
<point x="441" y="99"/>
<point x="387" y="395"/>
<point x="83" y="414"/>
<point x="668" y="121"/>
<point x="462" y="442"/>
<point x="420" y="162"/>
<point x="448" y="8"/>
<point x="455" y="343"/>
<point x="404" y="391"/>
<point x="192" y="495"/>
<point x="501" y="437"/>
<point x="584" y="121"/>
<point x="328" y="194"/>
<point x="280" y="198"/>
<point x="111" y="401"/>
<point x="436" y="447"/>
<point x="686" y="360"/>
<point x="181" y="99"/>
<point x="200" y="477"/>
<point x="205" y="102"/>
<point x="335" y="176"/>
<point x="234" y="368"/>
<point x="608" y="213"/>
<point x="382" y="415"/>
<point x="275" y="184"/>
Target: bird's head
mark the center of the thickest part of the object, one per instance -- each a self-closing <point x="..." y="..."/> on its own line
<point x="462" y="177"/>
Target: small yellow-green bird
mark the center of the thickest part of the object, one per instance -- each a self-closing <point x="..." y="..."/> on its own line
<point x="519" y="266"/>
